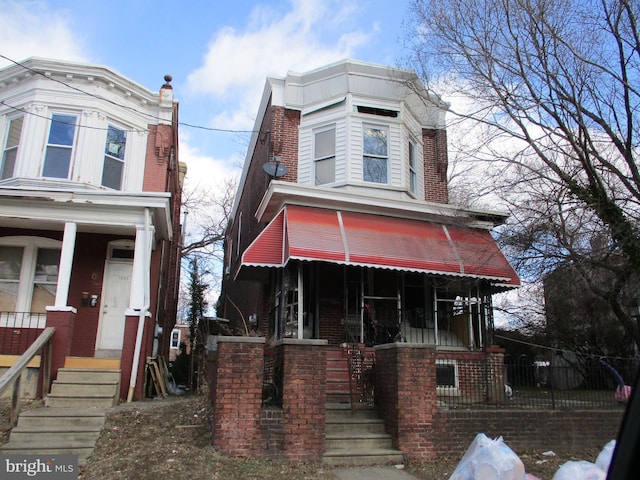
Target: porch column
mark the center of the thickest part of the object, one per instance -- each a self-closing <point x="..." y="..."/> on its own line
<point x="66" y="262"/>
<point x="141" y="268"/>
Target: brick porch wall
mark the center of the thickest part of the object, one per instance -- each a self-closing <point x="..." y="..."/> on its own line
<point x="235" y="375"/>
<point x="406" y="396"/>
<point x="304" y="398"/>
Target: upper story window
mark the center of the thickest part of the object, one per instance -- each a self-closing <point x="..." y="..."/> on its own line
<point x="113" y="166"/>
<point x="413" y="177"/>
<point x="57" y="160"/>
<point x="11" y="148"/>
<point x="324" y="156"/>
<point x="375" y="155"/>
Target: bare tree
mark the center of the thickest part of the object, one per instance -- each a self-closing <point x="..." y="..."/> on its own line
<point x="553" y="87"/>
<point x="206" y="213"/>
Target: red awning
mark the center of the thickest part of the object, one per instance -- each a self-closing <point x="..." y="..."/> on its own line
<point x="315" y="234"/>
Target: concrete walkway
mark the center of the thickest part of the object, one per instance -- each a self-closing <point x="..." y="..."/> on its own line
<point x="372" y="473"/>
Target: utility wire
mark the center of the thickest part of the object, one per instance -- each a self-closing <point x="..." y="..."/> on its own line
<point x="559" y="349"/>
<point x="183" y="124"/>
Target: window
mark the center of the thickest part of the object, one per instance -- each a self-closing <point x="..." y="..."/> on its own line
<point x="175" y="338"/>
<point x="447" y="377"/>
<point x="11" y="148"/>
<point x="28" y="273"/>
<point x="113" y="166"/>
<point x="413" y="178"/>
<point x="375" y="155"/>
<point x="57" y="160"/>
<point x="324" y="155"/>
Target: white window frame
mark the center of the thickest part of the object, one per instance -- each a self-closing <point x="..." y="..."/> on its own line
<point x="71" y="147"/>
<point x="177" y="344"/>
<point x="324" y="158"/>
<point x="109" y="156"/>
<point x="413" y="173"/>
<point x="386" y="159"/>
<point x="11" y="148"/>
<point x="445" y="390"/>
<point x="30" y="246"/>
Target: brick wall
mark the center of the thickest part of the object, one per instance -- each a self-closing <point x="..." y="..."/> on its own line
<point x="435" y="165"/>
<point x="406" y="396"/>
<point x="235" y="374"/>
<point x="526" y="430"/>
<point x="304" y="398"/>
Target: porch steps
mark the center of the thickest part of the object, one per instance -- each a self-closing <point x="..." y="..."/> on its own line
<point x="84" y="388"/>
<point x="357" y="438"/>
<point x="72" y="418"/>
<point x="338" y="390"/>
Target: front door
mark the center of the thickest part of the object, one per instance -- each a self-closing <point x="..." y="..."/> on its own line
<point x="115" y="300"/>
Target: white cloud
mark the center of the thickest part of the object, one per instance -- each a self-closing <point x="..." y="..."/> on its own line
<point x="311" y="34"/>
<point x="205" y="171"/>
<point x="30" y="29"/>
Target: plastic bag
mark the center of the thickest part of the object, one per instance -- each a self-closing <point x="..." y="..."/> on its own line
<point x="604" y="458"/>
<point x="581" y="469"/>
<point x="487" y="459"/>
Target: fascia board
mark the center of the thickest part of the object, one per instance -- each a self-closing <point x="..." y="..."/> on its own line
<point x="88" y="209"/>
<point x="280" y="193"/>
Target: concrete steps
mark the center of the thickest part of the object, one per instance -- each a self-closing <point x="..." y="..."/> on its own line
<point x="83" y="388"/>
<point x="72" y="418"/>
<point x="357" y="438"/>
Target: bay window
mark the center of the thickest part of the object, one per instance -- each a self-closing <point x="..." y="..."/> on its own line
<point x="375" y="155"/>
<point x="11" y="148"/>
<point x="113" y="166"/>
<point x="324" y="156"/>
<point x="59" y="150"/>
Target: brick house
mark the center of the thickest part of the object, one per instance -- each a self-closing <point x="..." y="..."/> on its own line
<point x="90" y="192"/>
<point x="341" y="233"/>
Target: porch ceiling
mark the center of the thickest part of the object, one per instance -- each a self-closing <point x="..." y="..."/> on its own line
<point x="350" y="238"/>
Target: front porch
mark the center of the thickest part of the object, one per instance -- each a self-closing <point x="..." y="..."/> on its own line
<point x="18" y="331"/>
<point x="274" y="400"/>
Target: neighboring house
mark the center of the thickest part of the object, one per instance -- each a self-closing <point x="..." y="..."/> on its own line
<point x="341" y="228"/>
<point x="90" y="192"/>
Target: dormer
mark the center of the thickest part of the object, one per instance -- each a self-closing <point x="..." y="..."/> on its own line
<point x="362" y="128"/>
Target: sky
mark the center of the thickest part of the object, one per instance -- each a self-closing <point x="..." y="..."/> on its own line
<point x="219" y="53"/>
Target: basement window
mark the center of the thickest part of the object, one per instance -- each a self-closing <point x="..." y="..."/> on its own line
<point x="447" y="378"/>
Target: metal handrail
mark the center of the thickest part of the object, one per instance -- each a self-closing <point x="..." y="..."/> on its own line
<point x="14" y="374"/>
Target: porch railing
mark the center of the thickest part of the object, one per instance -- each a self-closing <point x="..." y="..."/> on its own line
<point x="18" y="330"/>
<point x="14" y="374"/>
<point x="361" y="376"/>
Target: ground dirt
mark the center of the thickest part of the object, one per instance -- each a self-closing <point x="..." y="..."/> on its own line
<point x="171" y="438"/>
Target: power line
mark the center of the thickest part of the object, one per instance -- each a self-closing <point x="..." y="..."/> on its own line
<point x="544" y="347"/>
<point x="27" y="112"/>
<point x="183" y="124"/>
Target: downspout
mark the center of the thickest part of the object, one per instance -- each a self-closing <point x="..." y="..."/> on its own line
<point x="143" y="309"/>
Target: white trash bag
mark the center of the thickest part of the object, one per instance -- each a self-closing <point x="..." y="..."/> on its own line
<point x="487" y="459"/>
<point x="580" y="470"/>
<point x="604" y="458"/>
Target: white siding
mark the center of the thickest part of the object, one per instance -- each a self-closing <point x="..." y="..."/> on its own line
<point x="305" y="156"/>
